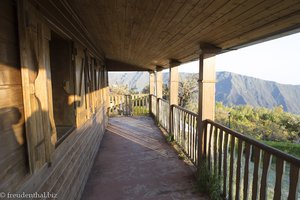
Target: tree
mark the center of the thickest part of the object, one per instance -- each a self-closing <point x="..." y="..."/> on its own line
<point x="146" y="89"/>
<point x="166" y="92"/>
<point x="188" y="88"/>
<point x="119" y="89"/>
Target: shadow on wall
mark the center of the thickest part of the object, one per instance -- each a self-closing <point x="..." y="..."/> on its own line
<point x="10" y="119"/>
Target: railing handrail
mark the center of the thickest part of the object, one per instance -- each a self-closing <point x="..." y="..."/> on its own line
<point x="185" y="110"/>
<point x="161" y="99"/>
<point x="287" y="157"/>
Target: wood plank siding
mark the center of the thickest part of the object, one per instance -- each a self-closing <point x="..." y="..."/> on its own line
<point x="13" y="154"/>
<point x="149" y="33"/>
<point x="50" y="80"/>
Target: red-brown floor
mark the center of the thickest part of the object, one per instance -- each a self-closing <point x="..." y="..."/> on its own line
<point x="135" y="162"/>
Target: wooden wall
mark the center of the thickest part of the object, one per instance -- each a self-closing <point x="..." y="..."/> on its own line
<point x="31" y="159"/>
<point x="13" y="154"/>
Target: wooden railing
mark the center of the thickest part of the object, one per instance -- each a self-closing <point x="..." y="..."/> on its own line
<point x="140" y="104"/>
<point x="137" y="104"/>
<point x="153" y="105"/>
<point x="163" y="116"/>
<point x="184" y="129"/>
<point x="117" y="103"/>
<point x="249" y="168"/>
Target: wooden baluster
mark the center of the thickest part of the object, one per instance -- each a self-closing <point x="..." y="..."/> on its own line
<point x="225" y="149"/>
<point x="136" y="102"/>
<point x="175" y="124"/>
<point x="183" y="130"/>
<point x="255" y="173"/>
<point x="147" y="104"/>
<point x="278" y="182"/>
<point x="220" y="151"/>
<point x="189" y="136"/>
<point x="215" y="150"/>
<point x="193" y="136"/>
<point x="232" y="144"/>
<point x="168" y="117"/>
<point x="209" y="147"/>
<point x="178" y="126"/>
<point x="238" y="170"/>
<point x="246" y="171"/>
<point x="294" y="182"/>
<point x="140" y="105"/>
<point x="144" y="100"/>
<point x="196" y="142"/>
<point x="264" y="177"/>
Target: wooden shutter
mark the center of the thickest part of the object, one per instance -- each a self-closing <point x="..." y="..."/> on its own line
<point x="34" y="38"/>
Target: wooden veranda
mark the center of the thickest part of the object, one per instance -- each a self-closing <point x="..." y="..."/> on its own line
<point x="54" y="97"/>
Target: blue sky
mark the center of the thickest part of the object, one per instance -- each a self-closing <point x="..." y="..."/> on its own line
<point x="276" y="60"/>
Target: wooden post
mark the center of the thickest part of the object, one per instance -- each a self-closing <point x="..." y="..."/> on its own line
<point x="151" y="89"/>
<point x="207" y="81"/>
<point x="151" y="82"/>
<point x="159" y="83"/>
<point x="159" y="88"/>
<point x="173" y="85"/>
<point x="173" y="81"/>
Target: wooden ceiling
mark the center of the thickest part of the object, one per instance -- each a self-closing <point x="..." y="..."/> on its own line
<point x="146" y="33"/>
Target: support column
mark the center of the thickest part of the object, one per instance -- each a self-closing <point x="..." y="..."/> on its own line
<point x="159" y="89"/>
<point x="159" y="82"/>
<point x="173" y="90"/>
<point x="151" y="89"/>
<point x="151" y="82"/>
<point x="173" y="82"/>
<point x="207" y="82"/>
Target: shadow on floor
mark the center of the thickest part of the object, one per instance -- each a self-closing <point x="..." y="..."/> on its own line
<point x="135" y="162"/>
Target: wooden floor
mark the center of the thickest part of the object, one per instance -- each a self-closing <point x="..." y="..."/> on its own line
<point x="135" y="162"/>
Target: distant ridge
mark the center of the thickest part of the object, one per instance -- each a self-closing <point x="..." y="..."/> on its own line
<point x="237" y="89"/>
<point x="231" y="89"/>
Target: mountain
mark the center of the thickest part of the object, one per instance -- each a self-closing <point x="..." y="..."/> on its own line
<point x="136" y="80"/>
<point x="239" y="90"/>
<point x="231" y="89"/>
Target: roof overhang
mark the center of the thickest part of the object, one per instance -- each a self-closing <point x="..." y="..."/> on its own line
<point x="144" y="34"/>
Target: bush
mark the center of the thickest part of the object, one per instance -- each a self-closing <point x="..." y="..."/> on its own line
<point x="208" y="182"/>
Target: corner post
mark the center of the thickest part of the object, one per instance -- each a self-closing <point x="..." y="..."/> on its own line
<point x="159" y="89"/>
<point x="173" y="85"/>
<point x="151" y="89"/>
<point x="206" y="103"/>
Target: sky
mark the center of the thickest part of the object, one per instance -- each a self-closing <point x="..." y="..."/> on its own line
<point x="275" y="60"/>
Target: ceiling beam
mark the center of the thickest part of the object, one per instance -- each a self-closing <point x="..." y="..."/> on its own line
<point x="114" y="65"/>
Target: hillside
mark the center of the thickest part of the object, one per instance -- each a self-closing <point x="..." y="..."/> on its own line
<point x="231" y="89"/>
<point x="239" y="90"/>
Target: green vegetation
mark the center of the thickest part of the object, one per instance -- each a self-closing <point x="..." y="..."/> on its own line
<point x="274" y="127"/>
<point x="288" y="147"/>
<point x="208" y="182"/>
<point x="122" y="90"/>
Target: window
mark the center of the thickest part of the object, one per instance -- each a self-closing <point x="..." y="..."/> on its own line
<point x="62" y="78"/>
